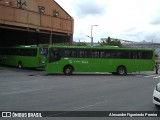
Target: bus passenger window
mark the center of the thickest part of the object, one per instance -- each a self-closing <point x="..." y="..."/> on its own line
<point x="136" y="54"/>
<point x="81" y="53"/>
<point x="102" y="54"/>
<point x="139" y="55"/>
<point x="54" y="55"/>
<point x="95" y="54"/>
<point x="107" y="54"/>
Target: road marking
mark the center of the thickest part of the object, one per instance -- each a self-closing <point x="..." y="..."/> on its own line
<point x="9" y="93"/>
<point x="20" y="92"/>
<point x="12" y="82"/>
<point x="80" y="108"/>
<point x="88" y="106"/>
<point x="6" y="83"/>
<point x="157" y="77"/>
<point x="151" y="76"/>
<point x="139" y="75"/>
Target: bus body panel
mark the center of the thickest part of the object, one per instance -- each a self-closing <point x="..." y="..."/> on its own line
<point x="27" y="61"/>
<point x="102" y="64"/>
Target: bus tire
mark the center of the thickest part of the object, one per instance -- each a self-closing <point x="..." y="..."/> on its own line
<point x="20" y="65"/>
<point x="121" y="70"/>
<point x="68" y="70"/>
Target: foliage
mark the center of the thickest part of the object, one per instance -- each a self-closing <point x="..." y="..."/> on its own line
<point x="74" y="44"/>
<point x="62" y="44"/>
<point x="80" y="43"/>
<point x="111" y="42"/>
<point x="156" y="55"/>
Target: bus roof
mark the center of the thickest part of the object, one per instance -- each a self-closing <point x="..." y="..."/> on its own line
<point x="25" y="46"/>
<point x="100" y="47"/>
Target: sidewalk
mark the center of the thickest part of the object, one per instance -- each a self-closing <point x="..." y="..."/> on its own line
<point x="147" y="72"/>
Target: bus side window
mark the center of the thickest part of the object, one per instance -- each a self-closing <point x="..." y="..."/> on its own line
<point x="67" y="53"/>
<point x="54" y="55"/>
<point x="136" y="54"/>
<point x="86" y="53"/>
<point x="113" y="54"/>
<point x="107" y="54"/>
<point x="74" y="53"/>
<point x="123" y="54"/>
<point x="139" y="55"/>
<point x="95" y="53"/>
<point x="102" y="54"/>
<point x="31" y="52"/>
<point x="81" y="54"/>
<point x="147" y="54"/>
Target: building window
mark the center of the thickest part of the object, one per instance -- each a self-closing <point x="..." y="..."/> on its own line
<point x="9" y="3"/>
<point x="21" y="4"/>
<point x="41" y="9"/>
<point x="55" y="13"/>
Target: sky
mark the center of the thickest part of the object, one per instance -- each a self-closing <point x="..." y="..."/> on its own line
<point x="133" y="20"/>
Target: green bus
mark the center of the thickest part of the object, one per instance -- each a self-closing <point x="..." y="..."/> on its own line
<point x="69" y="59"/>
<point x="31" y="56"/>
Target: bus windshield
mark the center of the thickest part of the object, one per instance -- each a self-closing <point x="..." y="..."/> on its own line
<point x="54" y="55"/>
<point x="43" y="51"/>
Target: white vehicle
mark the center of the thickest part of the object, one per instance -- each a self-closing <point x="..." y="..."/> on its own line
<point x="156" y="95"/>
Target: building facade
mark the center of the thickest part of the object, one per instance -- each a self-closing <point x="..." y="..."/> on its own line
<point x="31" y="22"/>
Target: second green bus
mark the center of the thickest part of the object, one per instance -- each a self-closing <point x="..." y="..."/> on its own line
<point x="24" y="56"/>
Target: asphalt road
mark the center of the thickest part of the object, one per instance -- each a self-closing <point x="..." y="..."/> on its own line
<point x="35" y="90"/>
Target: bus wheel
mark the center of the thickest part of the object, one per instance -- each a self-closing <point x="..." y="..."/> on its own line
<point x="20" y="65"/>
<point x="68" y="70"/>
<point x="121" y="70"/>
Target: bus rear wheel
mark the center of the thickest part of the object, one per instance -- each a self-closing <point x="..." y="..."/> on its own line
<point x="121" y="70"/>
<point x="20" y="65"/>
<point x="68" y="70"/>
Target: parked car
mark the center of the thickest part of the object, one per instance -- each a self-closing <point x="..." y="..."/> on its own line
<point x="156" y="95"/>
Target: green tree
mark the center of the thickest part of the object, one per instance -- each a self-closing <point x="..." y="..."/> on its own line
<point x="80" y="44"/>
<point x="113" y="42"/>
<point x="156" y="55"/>
<point x="62" y="44"/>
<point x="109" y="40"/>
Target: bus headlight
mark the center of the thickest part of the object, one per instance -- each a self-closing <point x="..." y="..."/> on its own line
<point x="158" y="87"/>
